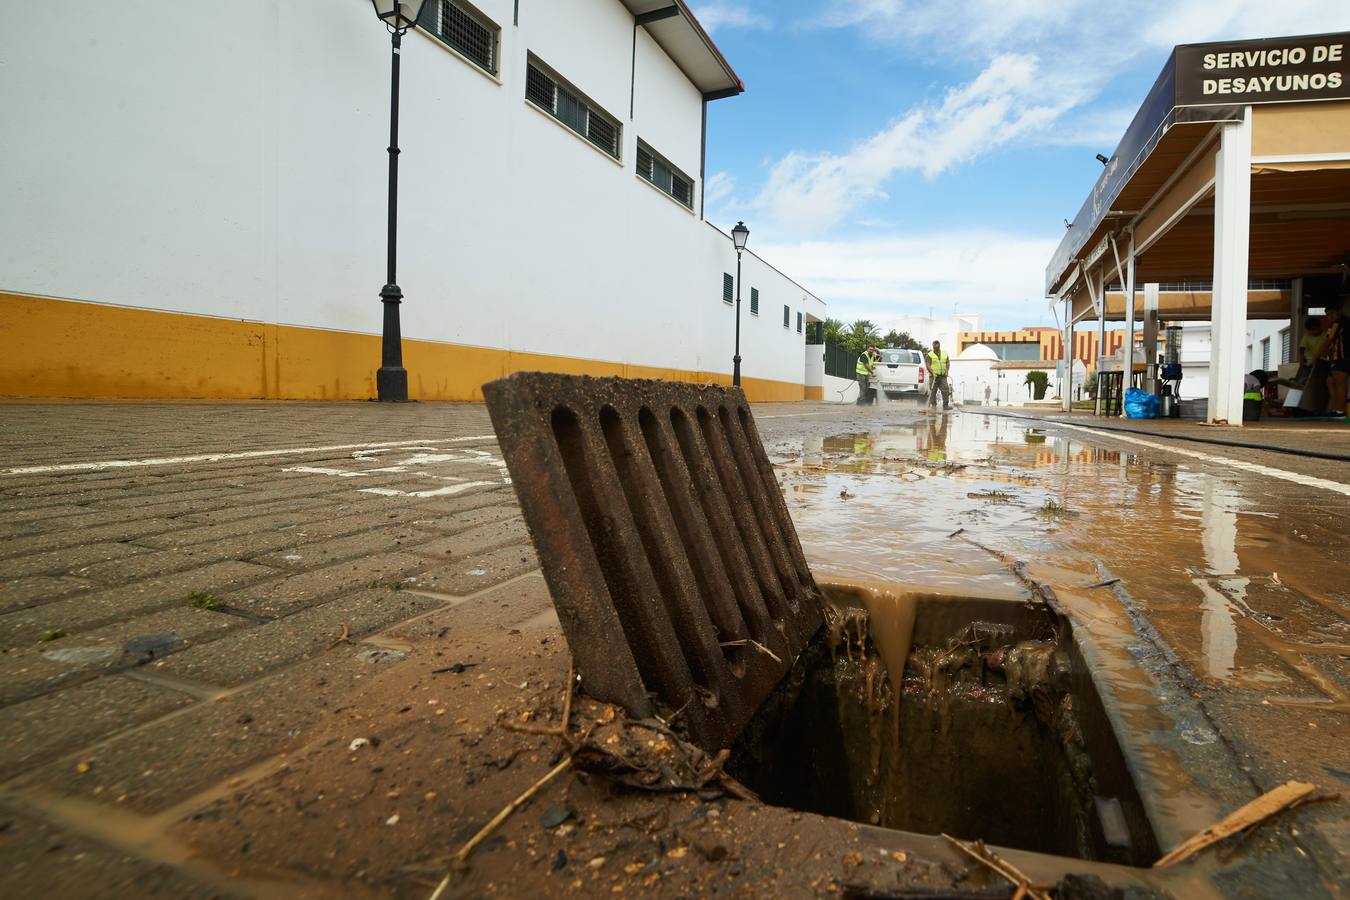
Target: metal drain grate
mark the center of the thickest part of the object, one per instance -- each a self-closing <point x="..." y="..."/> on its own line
<point x="664" y="539"/>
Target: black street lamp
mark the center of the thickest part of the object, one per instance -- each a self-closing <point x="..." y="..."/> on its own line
<point x="739" y="235"/>
<point x="391" y="381"/>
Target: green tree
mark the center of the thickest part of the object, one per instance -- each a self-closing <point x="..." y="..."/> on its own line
<point x="1039" y="381"/>
<point x="859" y="335"/>
<point x="902" y="340"/>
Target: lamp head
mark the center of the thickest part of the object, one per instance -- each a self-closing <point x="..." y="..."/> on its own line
<point x="399" y="15"/>
<point x="1102" y="159"/>
<point x="739" y="235"/>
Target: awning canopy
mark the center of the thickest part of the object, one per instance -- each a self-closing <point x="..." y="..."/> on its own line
<point x="1159" y="183"/>
<point x="676" y="31"/>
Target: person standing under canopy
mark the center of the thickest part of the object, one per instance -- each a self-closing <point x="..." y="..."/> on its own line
<point x="938" y="365"/>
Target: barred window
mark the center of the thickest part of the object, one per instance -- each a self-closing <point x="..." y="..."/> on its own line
<point x="465" y="29"/>
<point x="556" y="97"/>
<point x="799" y="323"/>
<point x="754" y="301"/>
<point x="654" y="168"/>
<point x="787" y="316"/>
<point x="1285" y="346"/>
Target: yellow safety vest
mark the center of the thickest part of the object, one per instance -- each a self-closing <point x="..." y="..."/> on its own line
<point x="937" y="364"/>
<point x="865" y="362"/>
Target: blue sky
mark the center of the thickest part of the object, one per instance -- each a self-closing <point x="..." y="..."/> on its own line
<point x="898" y="157"/>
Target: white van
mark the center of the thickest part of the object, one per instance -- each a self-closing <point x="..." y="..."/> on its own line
<point x="900" y="372"/>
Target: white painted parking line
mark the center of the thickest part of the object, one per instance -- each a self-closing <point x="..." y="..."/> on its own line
<point x="434" y="492"/>
<point x="218" y="457"/>
<point x="1257" y="468"/>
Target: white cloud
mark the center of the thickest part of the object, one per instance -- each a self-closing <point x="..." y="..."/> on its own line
<point x="714" y="16"/>
<point x="717" y="187"/>
<point x="1081" y="31"/>
<point x="995" y="273"/>
<point x="1042" y="66"/>
<point x="814" y="191"/>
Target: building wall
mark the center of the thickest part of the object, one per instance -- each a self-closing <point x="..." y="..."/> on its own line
<point x="1049" y="342"/>
<point x="925" y="329"/>
<point x="200" y="211"/>
<point x="1196" y="339"/>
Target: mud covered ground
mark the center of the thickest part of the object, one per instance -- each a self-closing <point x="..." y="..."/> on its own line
<point x="296" y="763"/>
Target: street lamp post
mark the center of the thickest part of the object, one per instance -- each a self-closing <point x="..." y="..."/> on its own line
<point x="391" y="381"/>
<point x="739" y="235"/>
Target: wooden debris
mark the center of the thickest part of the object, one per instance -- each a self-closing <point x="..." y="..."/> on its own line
<point x="497" y="820"/>
<point x="756" y="644"/>
<point x="1287" y="795"/>
<point x="979" y="852"/>
<point x="344" y="638"/>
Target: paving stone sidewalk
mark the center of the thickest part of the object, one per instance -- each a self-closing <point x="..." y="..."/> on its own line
<point x="186" y="589"/>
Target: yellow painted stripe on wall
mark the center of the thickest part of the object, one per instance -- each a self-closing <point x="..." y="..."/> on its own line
<point x="66" y="348"/>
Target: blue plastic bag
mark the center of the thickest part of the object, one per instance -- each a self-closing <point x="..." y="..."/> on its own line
<point x="1140" y="404"/>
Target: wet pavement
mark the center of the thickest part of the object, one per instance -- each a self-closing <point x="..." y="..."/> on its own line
<point x="192" y="595"/>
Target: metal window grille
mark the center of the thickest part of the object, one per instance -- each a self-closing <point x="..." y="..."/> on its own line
<point x="655" y="169"/>
<point x="728" y="285"/>
<point x="539" y="88"/>
<point x="787" y="317"/>
<point x="682" y="190"/>
<point x="602" y="133"/>
<point x="464" y="29"/>
<point x="574" y="111"/>
<point x="1285" y="347"/>
<point x="754" y="301"/>
<point x="799" y="323"/>
<point x="1265" y="354"/>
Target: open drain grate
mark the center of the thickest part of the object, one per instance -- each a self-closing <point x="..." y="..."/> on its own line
<point x="667" y="547"/>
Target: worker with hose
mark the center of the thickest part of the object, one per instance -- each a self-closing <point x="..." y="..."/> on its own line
<point x="938" y="364"/>
<point x="866" y="370"/>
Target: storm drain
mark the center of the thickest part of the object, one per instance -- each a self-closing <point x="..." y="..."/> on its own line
<point x="673" y="564"/>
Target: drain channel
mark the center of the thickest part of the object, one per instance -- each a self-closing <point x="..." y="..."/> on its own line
<point x="1000" y="734"/>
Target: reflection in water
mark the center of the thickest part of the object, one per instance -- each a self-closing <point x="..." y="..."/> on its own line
<point x="883" y="505"/>
<point x="1218" y="626"/>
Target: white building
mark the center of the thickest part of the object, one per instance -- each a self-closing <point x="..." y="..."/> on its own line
<point x="925" y="329"/>
<point x="1268" y="346"/>
<point x="195" y="203"/>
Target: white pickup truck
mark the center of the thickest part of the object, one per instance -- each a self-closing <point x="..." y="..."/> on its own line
<point x="900" y="372"/>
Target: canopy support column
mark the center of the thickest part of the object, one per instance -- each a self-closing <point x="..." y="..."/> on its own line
<point x="1232" y="231"/>
<point x="1127" y="349"/>
<point x="1066" y="383"/>
<point x="1099" y="300"/>
<point x="1151" y="337"/>
<point x="1295" y="318"/>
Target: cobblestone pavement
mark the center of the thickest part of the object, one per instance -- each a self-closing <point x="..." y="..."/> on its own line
<point x="186" y="589"/>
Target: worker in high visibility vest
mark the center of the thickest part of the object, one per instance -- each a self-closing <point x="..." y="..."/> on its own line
<point x="938" y="365"/>
<point x="866" y="370"/>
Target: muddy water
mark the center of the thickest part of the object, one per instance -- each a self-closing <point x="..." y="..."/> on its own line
<point x="1206" y="552"/>
<point x="1239" y="584"/>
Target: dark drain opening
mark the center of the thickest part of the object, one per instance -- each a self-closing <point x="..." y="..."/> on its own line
<point x="1002" y="734"/>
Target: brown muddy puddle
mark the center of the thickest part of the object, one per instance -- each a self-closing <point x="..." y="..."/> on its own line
<point x="1237" y="594"/>
<point x="977" y="509"/>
